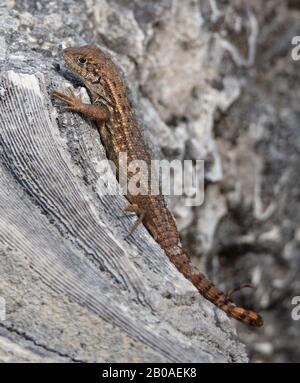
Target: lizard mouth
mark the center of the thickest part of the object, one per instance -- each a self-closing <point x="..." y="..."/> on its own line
<point x="69" y="59"/>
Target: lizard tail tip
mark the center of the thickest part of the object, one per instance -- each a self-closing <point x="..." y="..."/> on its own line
<point x="257" y="321"/>
<point x="247" y="317"/>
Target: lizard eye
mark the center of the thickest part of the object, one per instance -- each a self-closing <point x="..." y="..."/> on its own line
<point x="81" y="61"/>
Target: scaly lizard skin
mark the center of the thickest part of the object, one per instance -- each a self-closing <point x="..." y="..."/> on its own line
<point x="119" y="131"/>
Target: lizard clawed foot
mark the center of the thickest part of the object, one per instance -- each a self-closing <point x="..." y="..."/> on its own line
<point x="74" y="103"/>
<point x="231" y="292"/>
<point x="135" y="225"/>
<point x="141" y="214"/>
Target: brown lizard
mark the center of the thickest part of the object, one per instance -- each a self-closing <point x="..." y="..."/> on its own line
<point x="119" y="131"/>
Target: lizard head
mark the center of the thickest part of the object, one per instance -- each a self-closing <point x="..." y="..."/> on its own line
<point x="88" y="62"/>
<point x="95" y="69"/>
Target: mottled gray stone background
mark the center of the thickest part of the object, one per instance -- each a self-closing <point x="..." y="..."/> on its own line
<point x="212" y="80"/>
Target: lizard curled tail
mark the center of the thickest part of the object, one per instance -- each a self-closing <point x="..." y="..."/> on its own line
<point x="212" y="293"/>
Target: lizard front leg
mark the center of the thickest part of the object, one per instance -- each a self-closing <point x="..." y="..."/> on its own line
<point x="75" y="104"/>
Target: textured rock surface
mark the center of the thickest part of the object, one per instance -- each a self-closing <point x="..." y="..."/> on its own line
<point x="214" y="80"/>
<point x="75" y="288"/>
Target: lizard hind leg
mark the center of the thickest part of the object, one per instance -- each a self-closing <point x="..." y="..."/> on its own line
<point x="134" y="208"/>
<point x="231" y="292"/>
